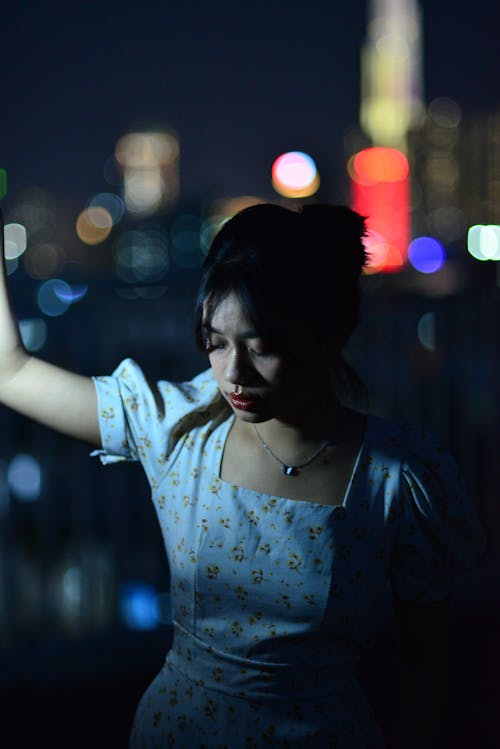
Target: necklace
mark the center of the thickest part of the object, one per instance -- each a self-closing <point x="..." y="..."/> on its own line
<point x="292" y="470"/>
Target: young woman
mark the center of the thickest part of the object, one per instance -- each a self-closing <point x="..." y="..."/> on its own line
<point x="284" y="512"/>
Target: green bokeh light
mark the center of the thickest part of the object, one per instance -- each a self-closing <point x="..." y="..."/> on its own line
<point x="3" y="183"/>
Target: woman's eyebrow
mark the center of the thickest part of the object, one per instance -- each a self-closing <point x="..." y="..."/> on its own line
<point x="245" y="334"/>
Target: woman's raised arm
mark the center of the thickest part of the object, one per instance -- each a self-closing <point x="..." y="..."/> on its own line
<point x="53" y="396"/>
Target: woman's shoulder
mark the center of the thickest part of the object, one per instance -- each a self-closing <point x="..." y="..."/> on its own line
<point x="200" y="391"/>
<point x="402" y="440"/>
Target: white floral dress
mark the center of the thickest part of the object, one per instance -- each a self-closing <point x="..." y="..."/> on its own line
<point x="272" y="598"/>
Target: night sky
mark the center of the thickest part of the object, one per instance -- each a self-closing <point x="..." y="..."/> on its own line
<point x="240" y="83"/>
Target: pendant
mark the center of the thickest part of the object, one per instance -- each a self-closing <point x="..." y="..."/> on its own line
<point x="290" y="471"/>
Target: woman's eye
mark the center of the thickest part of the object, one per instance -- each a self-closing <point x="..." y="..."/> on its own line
<point x="213" y="346"/>
<point x="261" y="353"/>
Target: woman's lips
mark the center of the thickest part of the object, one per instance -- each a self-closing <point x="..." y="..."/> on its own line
<point x="242" y="403"/>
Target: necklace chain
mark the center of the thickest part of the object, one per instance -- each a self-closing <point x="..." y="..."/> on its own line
<point x="289" y="470"/>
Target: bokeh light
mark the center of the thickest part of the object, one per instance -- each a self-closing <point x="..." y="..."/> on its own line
<point x="426" y="331"/>
<point x="149" y="161"/>
<point x="139" y="607"/>
<point x="445" y="112"/>
<point x="53" y="296"/>
<point x="373" y="166"/>
<point x="3" y="183"/>
<point x="483" y="241"/>
<point x="24" y="476"/>
<point x="71" y="294"/>
<point x="11" y="266"/>
<point x="16" y="240"/>
<point x="380" y="191"/>
<point x="111" y="203"/>
<point x="294" y="175"/>
<point x="35" y="209"/>
<point x="33" y="333"/>
<point x="4" y="488"/>
<point x="43" y="260"/>
<point x="94" y="225"/>
<point x="141" y="255"/>
<point x="426" y="254"/>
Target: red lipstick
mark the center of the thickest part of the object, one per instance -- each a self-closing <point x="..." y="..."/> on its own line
<point x="241" y="402"/>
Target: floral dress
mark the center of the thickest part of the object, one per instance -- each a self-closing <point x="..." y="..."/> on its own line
<point x="272" y="598"/>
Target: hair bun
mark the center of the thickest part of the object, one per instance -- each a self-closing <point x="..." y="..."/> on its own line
<point x="341" y="229"/>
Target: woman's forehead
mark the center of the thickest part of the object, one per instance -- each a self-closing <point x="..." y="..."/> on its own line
<point x="225" y="312"/>
<point x="229" y="316"/>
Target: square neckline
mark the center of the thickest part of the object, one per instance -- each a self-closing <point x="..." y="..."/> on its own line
<point x="225" y="428"/>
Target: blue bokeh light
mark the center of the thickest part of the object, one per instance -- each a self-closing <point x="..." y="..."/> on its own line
<point x="426" y="254"/>
<point x="139" y="606"/>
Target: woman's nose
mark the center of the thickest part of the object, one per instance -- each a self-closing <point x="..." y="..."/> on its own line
<point x="236" y="368"/>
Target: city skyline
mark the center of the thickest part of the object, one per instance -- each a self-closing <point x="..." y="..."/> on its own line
<point x="237" y="88"/>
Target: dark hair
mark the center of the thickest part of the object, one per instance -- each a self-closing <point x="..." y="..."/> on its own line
<point x="281" y="263"/>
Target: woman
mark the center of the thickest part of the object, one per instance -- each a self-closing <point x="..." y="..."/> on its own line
<point x="284" y="512"/>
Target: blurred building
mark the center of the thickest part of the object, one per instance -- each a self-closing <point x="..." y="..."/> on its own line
<point x="455" y="171"/>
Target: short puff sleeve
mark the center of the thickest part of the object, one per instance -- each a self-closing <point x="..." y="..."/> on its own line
<point x="439" y="535"/>
<point x="142" y="421"/>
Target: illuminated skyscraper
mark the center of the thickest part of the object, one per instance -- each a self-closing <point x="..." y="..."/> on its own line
<point x="391" y="72"/>
<point x="391" y="105"/>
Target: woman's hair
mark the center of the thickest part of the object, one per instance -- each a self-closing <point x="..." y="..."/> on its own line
<point x="282" y="264"/>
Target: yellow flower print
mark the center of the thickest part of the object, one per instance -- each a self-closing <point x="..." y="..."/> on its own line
<point x="218" y="673"/>
<point x="241" y="593"/>
<point x="236" y="629"/>
<point x="255" y="618"/>
<point x="238" y="554"/>
<point x="161" y="501"/>
<point x="108" y="413"/>
<point x="257" y="576"/>
<point x="156" y="719"/>
<point x="210" y="709"/>
<point x="182" y="723"/>
<point x="253" y="517"/>
<point x="216" y="544"/>
<point x="315" y="533"/>
<point x="309" y="597"/>
<point x="226" y="522"/>
<point x="266" y="548"/>
<point x="294" y="562"/>
<point x="212" y="571"/>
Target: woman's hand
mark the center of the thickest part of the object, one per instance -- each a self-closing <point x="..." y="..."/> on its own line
<point x="53" y="396"/>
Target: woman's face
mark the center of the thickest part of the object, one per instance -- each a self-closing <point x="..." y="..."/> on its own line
<point x="258" y="382"/>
